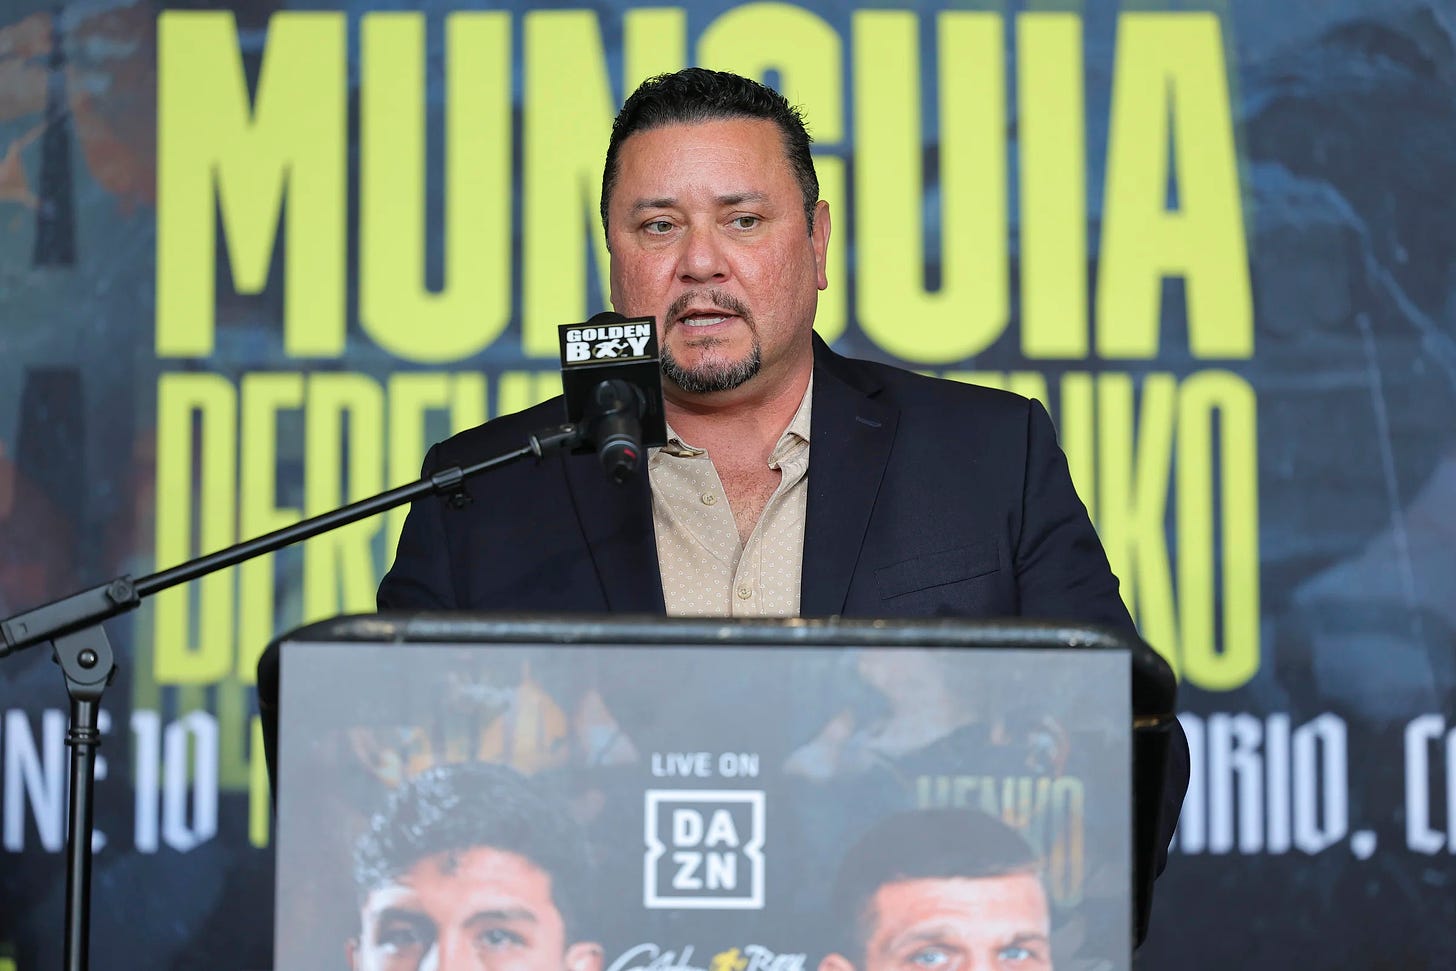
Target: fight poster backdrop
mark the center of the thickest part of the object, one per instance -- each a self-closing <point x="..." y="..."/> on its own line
<point x="707" y="805"/>
<point x="255" y="257"/>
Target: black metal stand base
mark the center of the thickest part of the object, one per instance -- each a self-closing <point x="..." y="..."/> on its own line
<point x="86" y="658"/>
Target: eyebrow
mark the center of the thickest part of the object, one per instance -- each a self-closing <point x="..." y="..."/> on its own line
<point x="1029" y="937"/>
<point x="409" y="915"/>
<point x="403" y="915"/>
<point x="399" y="912"/>
<point x="938" y="932"/>
<point x="668" y="202"/>
<point x="503" y="914"/>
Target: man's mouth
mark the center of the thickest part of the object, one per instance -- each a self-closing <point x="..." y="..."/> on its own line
<point x="705" y="309"/>
<point x="703" y="318"/>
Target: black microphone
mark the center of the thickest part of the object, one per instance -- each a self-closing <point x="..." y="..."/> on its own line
<point x="613" y="385"/>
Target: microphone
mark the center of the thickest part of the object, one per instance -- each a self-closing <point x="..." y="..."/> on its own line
<point x="613" y="385"/>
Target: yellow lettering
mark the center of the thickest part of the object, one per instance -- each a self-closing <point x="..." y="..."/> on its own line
<point x="344" y="419"/>
<point x="233" y="765"/>
<point x="1133" y="468"/>
<point x="1169" y="87"/>
<point x="294" y="137"/>
<point x="568" y="122"/>
<point x="259" y="797"/>
<point x="395" y="307"/>
<point x="264" y="395"/>
<point x="656" y="43"/>
<point x="1051" y="139"/>
<point x="181" y="656"/>
<point x="971" y="308"/>
<point x="1228" y="399"/>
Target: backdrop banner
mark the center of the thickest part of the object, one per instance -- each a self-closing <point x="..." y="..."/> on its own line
<point x="255" y="259"/>
<point x="704" y="807"/>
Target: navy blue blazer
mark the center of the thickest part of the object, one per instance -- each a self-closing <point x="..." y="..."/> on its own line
<point x="926" y="498"/>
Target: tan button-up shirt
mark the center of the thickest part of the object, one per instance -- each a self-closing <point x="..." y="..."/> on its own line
<point x="707" y="571"/>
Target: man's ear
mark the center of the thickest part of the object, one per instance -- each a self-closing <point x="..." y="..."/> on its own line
<point x="351" y="951"/>
<point x="819" y="236"/>
<point x="835" y="962"/>
<point x="583" y="956"/>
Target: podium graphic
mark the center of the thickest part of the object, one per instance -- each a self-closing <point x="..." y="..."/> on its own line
<point x="620" y="794"/>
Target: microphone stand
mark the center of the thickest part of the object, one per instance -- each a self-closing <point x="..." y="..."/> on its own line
<point x="72" y="627"/>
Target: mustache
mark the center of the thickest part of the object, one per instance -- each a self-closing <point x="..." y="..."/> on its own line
<point x="721" y="299"/>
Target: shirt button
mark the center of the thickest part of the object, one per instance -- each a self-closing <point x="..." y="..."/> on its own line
<point x="708" y="498"/>
<point x="744" y="592"/>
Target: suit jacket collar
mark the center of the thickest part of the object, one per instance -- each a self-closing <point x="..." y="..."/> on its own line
<point x="851" y="433"/>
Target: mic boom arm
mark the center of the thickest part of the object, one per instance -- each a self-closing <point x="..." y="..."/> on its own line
<point x="72" y="625"/>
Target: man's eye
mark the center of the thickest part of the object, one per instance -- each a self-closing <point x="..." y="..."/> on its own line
<point x="498" y="937"/>
<point x="930" y="957"/>
<point x="747" y="222"/>
<point x="1015" y="952"/>
<point x="402" y="937"/>
<point x="658" y="227"/>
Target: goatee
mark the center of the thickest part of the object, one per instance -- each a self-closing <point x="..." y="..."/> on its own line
<point x="714" y="376"/>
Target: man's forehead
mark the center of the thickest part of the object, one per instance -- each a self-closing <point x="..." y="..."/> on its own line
<point x="707" y="128"/>
<point x="491" y="902"/>
<point x="726" y="160"/>
<point x="713" y="137"/>
<point x="1015" y="896"/>
<point x="476" y="867"/>
<point x="722" y="199"/>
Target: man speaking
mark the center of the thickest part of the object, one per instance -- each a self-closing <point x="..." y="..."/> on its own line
<point x="794" y="481"/>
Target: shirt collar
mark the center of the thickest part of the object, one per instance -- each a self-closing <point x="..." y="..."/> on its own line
<point x="792" y="437"/>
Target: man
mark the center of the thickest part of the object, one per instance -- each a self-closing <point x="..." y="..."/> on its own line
<point x="468" y="868"/>
<point x="923" y="497"/>
<point x="945" y="889"/>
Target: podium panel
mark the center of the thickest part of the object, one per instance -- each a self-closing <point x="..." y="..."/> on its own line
<point x="681" y="796"/>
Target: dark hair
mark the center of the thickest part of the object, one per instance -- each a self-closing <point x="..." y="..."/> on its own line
<point x="458" y="807"/>
<point x="695" y="95"/>
<point x="927" y="844"/>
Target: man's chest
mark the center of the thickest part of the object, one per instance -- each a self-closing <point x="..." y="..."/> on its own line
<point x="748" y="491"/>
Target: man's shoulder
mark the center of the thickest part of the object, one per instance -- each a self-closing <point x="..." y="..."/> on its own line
<point x="499" y="435"/>
<point x="912" y="392"/>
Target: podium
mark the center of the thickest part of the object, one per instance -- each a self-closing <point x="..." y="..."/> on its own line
<point x="653" y="794"/>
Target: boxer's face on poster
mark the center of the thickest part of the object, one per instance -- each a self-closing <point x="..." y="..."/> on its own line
<point x="468" y="911"/>
<point x="983" y="924"/>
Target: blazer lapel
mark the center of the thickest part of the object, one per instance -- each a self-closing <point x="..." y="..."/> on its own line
<point x="851" y="433"/>
<point x="617" y="524"/>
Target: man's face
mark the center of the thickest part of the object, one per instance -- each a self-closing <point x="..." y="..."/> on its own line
<point x="708" y="235"/>
<point x="984" y="924"/>
<point x="477" y="909"/>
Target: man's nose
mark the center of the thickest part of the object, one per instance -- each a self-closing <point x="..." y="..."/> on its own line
<point x="702" y="259"/>
<point x="451" y="952"/>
